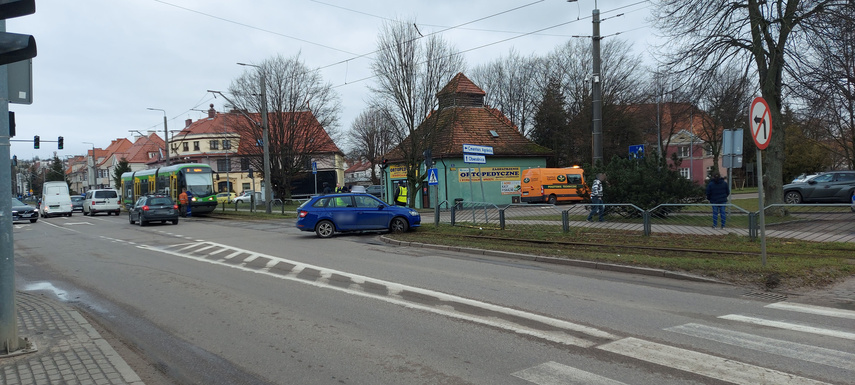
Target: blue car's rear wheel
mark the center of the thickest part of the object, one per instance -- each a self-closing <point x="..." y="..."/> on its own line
<point x="325" y="229"/>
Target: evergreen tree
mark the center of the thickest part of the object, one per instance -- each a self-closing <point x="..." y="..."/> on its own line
<point x="551" y="128"/>
<point x="120" y="169"/>
<point x="56" y="172"/>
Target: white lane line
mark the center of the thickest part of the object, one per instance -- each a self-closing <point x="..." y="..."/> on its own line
<point x="798" y="351"/>
<point x="812" y="309"/>
<point x="703" y="364"/>
<point x="560" y="336"/>
<point x="553" y="373"/>
<point x="790" y="326"/>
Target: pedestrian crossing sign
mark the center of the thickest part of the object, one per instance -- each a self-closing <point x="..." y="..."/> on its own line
<point x="433" y="179"/>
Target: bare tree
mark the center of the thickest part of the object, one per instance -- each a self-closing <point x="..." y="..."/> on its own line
<point x="302" y="112"/>
<point x="724" y="100"/>
<point x="511" y="87"/>
<point x="370" y="137"/>
<point x="827" y="84"/>
<point x="411" y="70"/>
<point x="703" y="36"/>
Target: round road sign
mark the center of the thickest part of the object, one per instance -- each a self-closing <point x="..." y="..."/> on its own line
<point x="760" y="122"/>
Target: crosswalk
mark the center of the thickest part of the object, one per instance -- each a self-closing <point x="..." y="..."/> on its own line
<point x="724" y="366"/>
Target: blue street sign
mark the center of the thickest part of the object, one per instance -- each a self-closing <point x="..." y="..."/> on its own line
<point x="481" y="159"/>
<point x="314" y="167"/>
<point x="432" y="177"/>
<point x="636" y="152"/>
<point x="474" y="149"/>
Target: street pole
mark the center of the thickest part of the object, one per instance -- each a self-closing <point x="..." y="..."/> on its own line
<point x="265" y="134"/>
<point x="9" y="341"/>
<point x="165" y="133"/>
<point x="597" y="90"/>
<point x="92" y="178"/>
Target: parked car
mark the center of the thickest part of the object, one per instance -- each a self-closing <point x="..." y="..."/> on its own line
<point x="225" y="197"/>
<point x="246" y="197"/>
<point x="101" y="201"/>
<point x="357" y="189"/>
<point x="829" y="187"/>
<point x="22" y="211"/>
<point x="152" y="208"/>
<point x="375" y="189"/>
<point x="328" y="214"/>
<point x="77" y="203"/>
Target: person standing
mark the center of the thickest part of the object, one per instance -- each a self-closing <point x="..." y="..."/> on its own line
<point x="717" y="193"/>
<point x="189" y="204"/>
<point x="401" y="194"/>
<point x="182" y="203"/>
<point x="597" y="206"/>
<point x="327" y="189"/>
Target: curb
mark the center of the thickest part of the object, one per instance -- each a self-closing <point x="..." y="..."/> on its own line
<point x="560" y="261"/>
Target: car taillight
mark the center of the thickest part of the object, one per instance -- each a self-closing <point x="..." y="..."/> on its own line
<point x="93" y="203"/>
<point x="145" y="208"/>
<point x="175" y="207"/>
<point x="303" y="213"/>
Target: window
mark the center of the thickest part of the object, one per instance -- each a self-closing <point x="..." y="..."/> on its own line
<point x="707" y="150"/>
<point x="224" y="165"/>
<point x="186" y="146"/>
<point x="684" y="151"/>
<point x="227" y="144"/>
<point x="245" y="187"/>
<point x="684" y="172"/>
<point x="195" y="145"/>
<point x="244" y="164"/>
<point x="214" y="145"/>
<point x="152" y="155"/>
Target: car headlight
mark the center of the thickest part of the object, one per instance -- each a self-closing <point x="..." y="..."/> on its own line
<point x="414" y="213"/>
<point x="193" y="200"/>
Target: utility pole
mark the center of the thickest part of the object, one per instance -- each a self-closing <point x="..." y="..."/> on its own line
<point x="268" y="179"/>
<point x="597" y="91"/>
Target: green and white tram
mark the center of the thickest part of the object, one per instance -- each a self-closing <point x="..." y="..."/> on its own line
<point x="197" y="178"/>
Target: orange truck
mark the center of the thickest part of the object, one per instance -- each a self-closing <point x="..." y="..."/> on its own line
<point x="553" y="185"/>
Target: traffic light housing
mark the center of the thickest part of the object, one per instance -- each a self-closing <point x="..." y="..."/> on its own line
<point x="250" y="174"/>
<point x="16" y="47"/>
<point x="384" y="164"/>
<point x="60" y="142"/>
<point x="36" y="142"/>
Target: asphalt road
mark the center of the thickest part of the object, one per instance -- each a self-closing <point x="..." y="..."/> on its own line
<point x="257" y="302"/>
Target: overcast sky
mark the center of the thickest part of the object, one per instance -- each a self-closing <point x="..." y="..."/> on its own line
<point x="102" y="63"/>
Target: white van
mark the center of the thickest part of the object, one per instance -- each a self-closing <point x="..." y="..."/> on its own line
<point x="55" y="200"/>
<point x="101" y="201"/>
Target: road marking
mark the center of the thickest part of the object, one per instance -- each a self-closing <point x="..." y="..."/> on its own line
<point x="517" y="321"/>
<point x="826" y="311"/>
<point x="790" y="326"/>
<point x="798" y="351"/>
<point x="553" y="373"/>
<point x="703" y="364"/>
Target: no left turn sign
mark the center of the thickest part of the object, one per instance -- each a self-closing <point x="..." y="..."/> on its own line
<point x="760" y="121"/>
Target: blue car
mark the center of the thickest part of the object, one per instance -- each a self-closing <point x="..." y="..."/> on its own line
<point x="328" y="214"/>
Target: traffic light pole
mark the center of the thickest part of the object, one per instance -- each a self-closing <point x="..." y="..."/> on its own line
<point x="9" y="341"/>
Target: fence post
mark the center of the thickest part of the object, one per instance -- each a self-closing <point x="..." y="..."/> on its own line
<point x="648" y="228"/>
<point x="436" y="215"/>
<point x="502" y="219"/>
<point x="453" y="214"/>
<point x="565" y="221"/>
<point x="752" y="226"/>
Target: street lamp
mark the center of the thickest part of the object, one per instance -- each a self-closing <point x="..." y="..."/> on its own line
<point x="597" y="88"/>
<point x="91" y="178"/>
<point x="268" y="180"/>
<point x="165" y="133"/>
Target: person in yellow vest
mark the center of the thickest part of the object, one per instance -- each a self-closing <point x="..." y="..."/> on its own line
<point x="401" y="194"/>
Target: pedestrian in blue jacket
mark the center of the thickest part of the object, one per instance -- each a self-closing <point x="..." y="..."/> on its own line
<point x="717" y="193"/>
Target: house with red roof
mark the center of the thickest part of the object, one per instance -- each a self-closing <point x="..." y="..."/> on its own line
<point x="464" y="119"/>
<point x="228" y="143"/>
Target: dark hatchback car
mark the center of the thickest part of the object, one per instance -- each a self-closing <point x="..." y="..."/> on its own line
<point x="153" y="208"/>
<point x="829" y="187"/>
<point x="23" y="212"/>
<point x="77" y="203"/>
<point x="328" y="214"/>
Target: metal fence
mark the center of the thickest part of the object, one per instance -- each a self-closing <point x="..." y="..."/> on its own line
<point x="814" y="222"/>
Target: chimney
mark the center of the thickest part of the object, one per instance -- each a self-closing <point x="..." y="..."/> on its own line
<point x="188" y="122"/>
<point x="212" y="112"/>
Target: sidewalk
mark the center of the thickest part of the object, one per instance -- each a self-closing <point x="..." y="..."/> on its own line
<point x="69" y="350"/>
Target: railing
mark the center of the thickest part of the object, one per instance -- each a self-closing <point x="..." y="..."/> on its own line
<point x="814" y="222"/>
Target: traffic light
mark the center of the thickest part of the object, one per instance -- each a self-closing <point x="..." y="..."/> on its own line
<point x="16" y="47"/>
<point x="60" y="142"/>
<point x="250" y="173"/>
<point x="36" y="142"/>
<point x="14" y="160"/>
<point x="11" y="124"/>
<point x="384" y="164"/>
